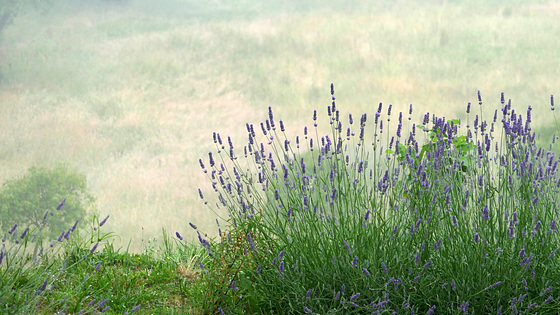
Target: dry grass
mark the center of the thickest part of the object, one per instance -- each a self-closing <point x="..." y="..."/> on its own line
<point x="132" y="98"/>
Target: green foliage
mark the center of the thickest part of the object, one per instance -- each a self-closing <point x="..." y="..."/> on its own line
<point x="458" y="144"/>
<point x="6" y="12"/>
<point x="10" y="8"/>
<point x="28" y="200"/>
<point x="458" y="148"/>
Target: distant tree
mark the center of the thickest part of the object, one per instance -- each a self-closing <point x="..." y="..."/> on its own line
<point x="8" y="9"/>
<point x="32" y="200"/>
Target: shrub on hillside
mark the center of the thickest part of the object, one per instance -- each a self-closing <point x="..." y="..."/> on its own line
<point x="28" y="200"/>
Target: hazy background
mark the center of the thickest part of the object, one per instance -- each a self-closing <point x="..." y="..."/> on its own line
<point x="129" y="92"/>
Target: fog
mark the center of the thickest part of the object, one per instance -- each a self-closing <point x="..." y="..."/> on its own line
<point x="129" y="92"/>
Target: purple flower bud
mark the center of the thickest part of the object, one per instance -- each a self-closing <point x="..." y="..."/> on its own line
<point x="179" y="236"/>
<point x="73" y="228"/>
<point x="24" y="233"/>
<point x="464" y="307"/>
<point x="12" y="229"/>
<point x="453" y="285"/>
<point x="307" y="310"/>
<point x="347" y="247"/>
<point x="537" y="226"/>
<point x="61" y="204"/>
<point x="355" y="262"/>
<point x="281" y="266"/>
<point x="42" y="288"/>
<point x="211" y="159"/>
<point x="495" y="285"/>
<point x="485" y="215"/>
<point x="431" y="310"/>
<point x="354" y="297"/>
<point x="476" y="238"/>
<point x="192" y="225"/>
<point x="250" y="240"/>
<point x="366" y="272"/>
<point x="479" y="98"/>
<point x="271" y="116"/>
<point x="134" y="309"/>
<point x="104" y="220"/>
<point x="437" y="244"/>
<point x="384" y="267"/>
<point x="533" y="305"/>
<point x="94" y="247"/>
<point x="546" y="291"/>
<point x="308" y="294"/>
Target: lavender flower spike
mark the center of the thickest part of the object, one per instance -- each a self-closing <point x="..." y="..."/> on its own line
<point x="24" y="232"/>
<point x="495" y="285"/>
<point x="250" y="240"/>
<point x="192" y="225"/>
<point x="94" y="247"/>
<point x="12" y="229"/>
<point x="104" y="220"/>
<point x="384" y="267"/>
<point x="61" y="204"/>
<point x="431" y="310"/>
<point x="179" y="236"/>
<point x="134" y="309"/>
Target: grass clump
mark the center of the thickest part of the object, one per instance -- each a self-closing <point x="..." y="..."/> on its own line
<point x="455" y="217"/>
<point x="82" y="273"/>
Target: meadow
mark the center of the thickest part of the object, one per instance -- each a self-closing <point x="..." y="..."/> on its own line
<point x="135" y="94"/>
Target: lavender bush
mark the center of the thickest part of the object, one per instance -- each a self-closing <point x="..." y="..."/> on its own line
<point x="448" y="217"/>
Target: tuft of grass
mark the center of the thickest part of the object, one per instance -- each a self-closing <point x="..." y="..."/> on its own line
<point x="454" y="216"/>
<point x="82" y="272"/>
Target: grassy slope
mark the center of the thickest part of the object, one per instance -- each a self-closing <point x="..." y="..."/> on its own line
<point x="131" y="96"/>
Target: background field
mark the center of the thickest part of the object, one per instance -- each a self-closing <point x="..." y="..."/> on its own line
<point x="129" y="92"/>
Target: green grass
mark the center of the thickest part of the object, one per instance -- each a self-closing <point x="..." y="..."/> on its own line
<point x="72" y="276"/>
